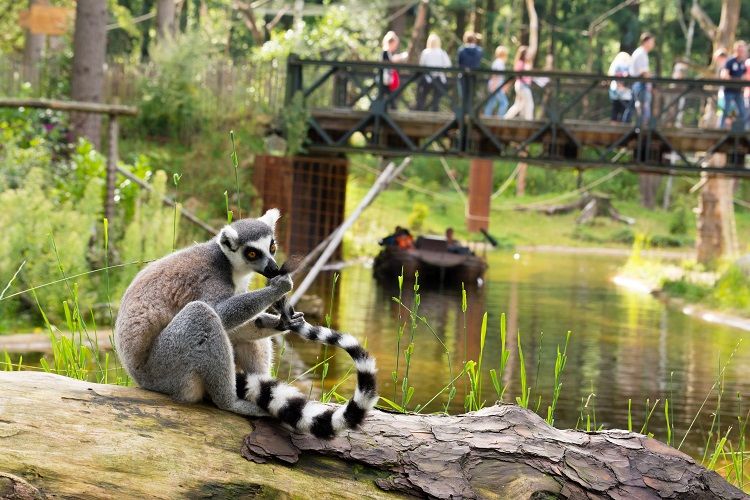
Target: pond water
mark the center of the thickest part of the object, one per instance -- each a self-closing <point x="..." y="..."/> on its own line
<point x="624" y="344"/>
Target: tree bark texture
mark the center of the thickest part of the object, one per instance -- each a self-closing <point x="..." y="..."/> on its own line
<point x="501" y="452"/>
<point x="165" y="19"/>
<point x="648" y="185"/>
<point x="89" y="50"/>
<point x="67" y="438"/>
<point x="32" y="53"/>
<point x="418" y="32"/>
<point x="717" y="234"/>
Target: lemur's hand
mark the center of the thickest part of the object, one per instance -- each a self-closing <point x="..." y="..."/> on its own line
<point x="265" y="320"/>
<point x="293" y="323"/>
<point x="282" y="283"/>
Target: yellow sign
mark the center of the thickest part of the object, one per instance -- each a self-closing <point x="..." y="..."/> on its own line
<point x="46" y="20"/>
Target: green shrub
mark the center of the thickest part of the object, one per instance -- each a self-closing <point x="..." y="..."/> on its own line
<point x="173" y="99"/>
<point x="679" y="221"/>
<point x="732" y="289"/>
<point x="418" y="215"/>
<point x="150" y="234"/>
<point x="52" y="237"/>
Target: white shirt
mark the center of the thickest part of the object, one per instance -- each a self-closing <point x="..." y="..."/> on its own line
<point x="639" y="62"/>
<point x="436" y="58"/>
<point x="496" y="80"/>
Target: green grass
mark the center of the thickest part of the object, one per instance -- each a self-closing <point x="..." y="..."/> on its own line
<point x="510" y="226"/>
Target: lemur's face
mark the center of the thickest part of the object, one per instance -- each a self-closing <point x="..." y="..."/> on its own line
<point x="250" y="246"/>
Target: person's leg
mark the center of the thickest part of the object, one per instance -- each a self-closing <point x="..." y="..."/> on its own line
<point x="503" y="107"/>
<point x="742" y="110"/>
<point x="729" y="104"/>
<point x="491" y="105"/>
<point x="528" y="104"/>
<point x="638" y="101"/>
<point x="615" y="113"/>
<point x="422" y="89"/>
<point x="647" y="100"/>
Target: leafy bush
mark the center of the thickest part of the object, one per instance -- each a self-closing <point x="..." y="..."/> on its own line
<point x="679" y="220"/>
<point x="732" y="290"/>
<point x="52" y="237"/>
<point x="418" y="215"/>
<point x="172" y="94"/>
<point x="151" y="233"/>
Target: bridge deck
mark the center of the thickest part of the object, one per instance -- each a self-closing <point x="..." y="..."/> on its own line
<point x="351" y="110"/>
<point x="420" y="125"/>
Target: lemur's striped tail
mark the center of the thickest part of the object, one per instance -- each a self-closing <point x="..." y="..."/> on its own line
<point x="291" y="407"/>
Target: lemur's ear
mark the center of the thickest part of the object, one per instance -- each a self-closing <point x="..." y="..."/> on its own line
<point x="228" y="238"/>
<point x="270" y="217"/>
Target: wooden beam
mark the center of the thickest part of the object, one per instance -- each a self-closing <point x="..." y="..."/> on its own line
<point x="57" y="105"/>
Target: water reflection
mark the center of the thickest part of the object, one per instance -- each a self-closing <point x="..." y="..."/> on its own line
<point x="624" y="344"/>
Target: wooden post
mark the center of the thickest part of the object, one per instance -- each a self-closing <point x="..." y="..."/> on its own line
<point x="112" y="153"/>
<point x="480" y="193"/>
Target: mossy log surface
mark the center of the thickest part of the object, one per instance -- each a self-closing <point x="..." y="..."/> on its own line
<point x="68" y="438"/>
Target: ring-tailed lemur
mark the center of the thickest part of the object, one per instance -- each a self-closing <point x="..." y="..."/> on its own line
<point x="188" y="328"/>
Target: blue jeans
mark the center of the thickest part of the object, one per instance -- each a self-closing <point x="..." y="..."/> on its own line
<point x="734" y="100"/>
<point x="498" y="101"/>
<point x="642" y="94"/>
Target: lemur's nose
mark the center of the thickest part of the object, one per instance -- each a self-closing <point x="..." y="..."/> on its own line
<point x="271" y="270"/>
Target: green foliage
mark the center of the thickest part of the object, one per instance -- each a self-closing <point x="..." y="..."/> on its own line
<point x="732" y="290"/>
<point x="35" y="226"/>
<point x="295" y="118"/>
<point x="418" y="215"/>
<point x="146" y="237"/>
<point x="679" y="220"/>
<point x="172" y="95"/>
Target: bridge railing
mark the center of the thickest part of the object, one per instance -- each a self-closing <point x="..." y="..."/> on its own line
<point x="442" y="111"/>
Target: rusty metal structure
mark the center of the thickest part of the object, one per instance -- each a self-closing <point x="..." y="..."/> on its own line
<point x="309" y="191"/>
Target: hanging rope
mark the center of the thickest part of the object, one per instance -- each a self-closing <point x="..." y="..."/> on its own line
<point x="575" y="192"/>
<point x="453" y="180"/>
<point x="505" y="185"/>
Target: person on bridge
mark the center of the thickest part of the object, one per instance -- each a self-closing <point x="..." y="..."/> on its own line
<point x="523" y="105"/>
<point x="498" y="103"/>
<point x="434" y="82"/>
<point x="391" y="80"/>
<point x="619" y="92"/>
<point x="470" y="54"/>
<point x="735" y="69"/>
<point x="642" y="91"/>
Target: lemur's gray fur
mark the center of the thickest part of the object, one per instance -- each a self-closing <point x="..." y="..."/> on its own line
<point x="188" y="327"/>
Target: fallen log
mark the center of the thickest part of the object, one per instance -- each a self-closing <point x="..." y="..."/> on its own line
<point x="62" y="437"/>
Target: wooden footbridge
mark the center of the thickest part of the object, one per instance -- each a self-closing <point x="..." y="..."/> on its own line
<point x="351" y="111"/>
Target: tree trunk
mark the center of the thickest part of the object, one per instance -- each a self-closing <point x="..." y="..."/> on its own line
<point x="165" y="19"/>
<point x="533" y="30"/>
<point x="648" y="185"/>
<point x="89" y="51"/>
<point x="32" y="52"/>
<point x="66" y="438"/>
<point x="717" y="233"/>
<point x="418" y="32"/>
<point x="727" y="29"/>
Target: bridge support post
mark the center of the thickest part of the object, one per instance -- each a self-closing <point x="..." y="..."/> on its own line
<point x="717" y="234"/>
<point x="480" y="192"/>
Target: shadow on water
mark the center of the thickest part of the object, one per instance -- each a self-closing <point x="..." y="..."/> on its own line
<point x="623" y="345"/>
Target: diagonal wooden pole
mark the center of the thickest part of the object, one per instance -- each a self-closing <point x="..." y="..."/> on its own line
<point x="390" y="173"/>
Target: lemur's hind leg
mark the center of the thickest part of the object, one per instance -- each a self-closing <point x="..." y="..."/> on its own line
<point x="193" y="356"/>
<point x="254" y="356"/>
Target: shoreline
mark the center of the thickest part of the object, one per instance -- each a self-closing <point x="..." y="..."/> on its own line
<point x="611" y="251"/>
<point x="688" y="308"/>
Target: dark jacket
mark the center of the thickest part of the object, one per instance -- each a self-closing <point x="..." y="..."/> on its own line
<point x="470" y="56"/>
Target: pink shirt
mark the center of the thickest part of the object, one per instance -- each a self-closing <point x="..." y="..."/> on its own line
<point x="522" y="66"/>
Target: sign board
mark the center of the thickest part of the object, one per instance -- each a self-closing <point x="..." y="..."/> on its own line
<point x="46" y="20"/>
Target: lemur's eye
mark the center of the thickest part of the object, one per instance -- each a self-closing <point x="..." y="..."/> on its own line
<point x="251" y="254"/>
<point x="273" y="248"/>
